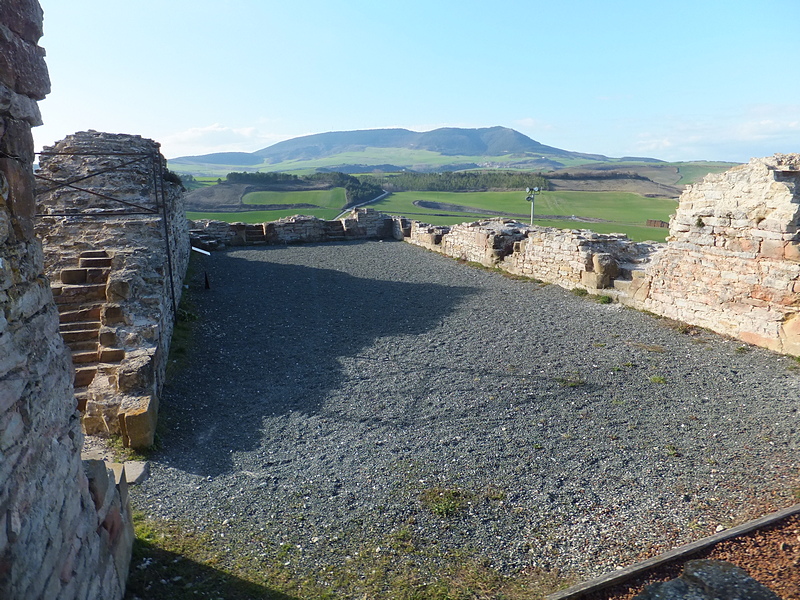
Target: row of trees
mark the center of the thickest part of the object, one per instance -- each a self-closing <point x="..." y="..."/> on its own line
<point x="357" y="190"/>
<point x="460" y="181"/>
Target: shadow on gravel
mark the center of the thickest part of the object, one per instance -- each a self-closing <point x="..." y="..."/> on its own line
<point x="157" y="574"/>
<point x="268" y="342"/>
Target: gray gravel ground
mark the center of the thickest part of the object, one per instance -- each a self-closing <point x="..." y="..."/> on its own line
<point x="332" y="387"/>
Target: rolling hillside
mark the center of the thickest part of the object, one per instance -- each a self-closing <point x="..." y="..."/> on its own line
<point x="395" y="150"/>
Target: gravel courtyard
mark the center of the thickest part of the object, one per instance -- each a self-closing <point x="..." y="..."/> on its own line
<point x="355" y="398"/>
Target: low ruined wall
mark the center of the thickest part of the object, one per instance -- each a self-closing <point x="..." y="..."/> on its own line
<point x="116" y="252"/>
<point x="65" y="528"/>
<point x="731" y="264"/>
<point x="359" y="224"/>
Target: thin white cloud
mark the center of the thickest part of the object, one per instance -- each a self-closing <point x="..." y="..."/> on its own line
<point x="530" y="123"/>
<point x="217" y="138"/>
<point x="737" y="136"/>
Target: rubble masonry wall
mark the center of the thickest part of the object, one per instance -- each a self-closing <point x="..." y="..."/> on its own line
<point x="64" y="526"/>
<point x="116" y="271"/>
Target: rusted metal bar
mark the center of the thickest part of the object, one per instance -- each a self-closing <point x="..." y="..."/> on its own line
<point x="99" y="195"/>
<point x="158" y="185"/>
<point x="78" y="179"/>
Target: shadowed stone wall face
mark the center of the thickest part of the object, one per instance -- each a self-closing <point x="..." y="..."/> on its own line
<point x="112" y="275"/>
<point x="65" y="528"/>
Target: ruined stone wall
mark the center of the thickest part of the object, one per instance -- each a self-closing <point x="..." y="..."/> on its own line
<point x="567" y="257"/>
<point x="65" y="529"/>
<point x="116" y="251"/>
<point x="577" y="257"/>
<point x="359" y="224"/>
<point x="732" y="263"/>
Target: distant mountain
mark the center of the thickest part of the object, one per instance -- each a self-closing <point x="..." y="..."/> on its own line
<point x="440" y="149"/>
<point x="449" y="141"/>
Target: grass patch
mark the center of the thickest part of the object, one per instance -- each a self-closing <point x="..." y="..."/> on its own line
<point x="176" y="562"/>
<point x="658" y="379"/>
<point x="672" y="450"/>
<point x="571" y="380"/>
<point x="333" y="198"/>
<point x="263" y="216"/>
<point x="444" y="502"/>
<point x="624" y="212"/>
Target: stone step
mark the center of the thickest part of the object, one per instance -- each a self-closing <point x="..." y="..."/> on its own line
<point x="94" y="254"/>
<point x="83" y="276"/>
<point x="83" y="335"/>
<point x="84" y="376"/>
<point x="84" y="345"/>
<point x="79" y="326"/>
<point x="94" y="262"/>
<point x="69" y="313"/>
<point x="79" y="294"/>
<point x="82" y="357"/>
<point x="111" y="355"/>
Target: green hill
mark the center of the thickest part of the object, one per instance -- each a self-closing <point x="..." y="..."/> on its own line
<point x="448" y="148"/>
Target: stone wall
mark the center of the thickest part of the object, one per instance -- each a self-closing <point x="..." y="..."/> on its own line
<point x="731" y="263"/>
<point x="65" y="528"/>
<point x="359" y="224"/>
<point x="116" y="251"/>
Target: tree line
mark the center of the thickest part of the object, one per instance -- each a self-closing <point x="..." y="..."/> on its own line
<point x="357" y="190"/>
<point x="459" y="181"/>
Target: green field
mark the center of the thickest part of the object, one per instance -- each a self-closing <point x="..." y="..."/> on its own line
<point x="334" y="198"/>
<point x="626" y="213"/>
<point x="692" y="172"/>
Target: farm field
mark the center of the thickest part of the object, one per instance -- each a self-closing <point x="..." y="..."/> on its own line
<point x="333" y="199"/>
<point x="620" y="212"/>
<point x="625" y="213"/>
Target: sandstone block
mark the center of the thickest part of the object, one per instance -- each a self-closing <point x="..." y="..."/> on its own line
<point x="792" y="252"/>
<point x="136" y="471"/>
<point x="138" y="423"/>
<point x="772" y="249"/>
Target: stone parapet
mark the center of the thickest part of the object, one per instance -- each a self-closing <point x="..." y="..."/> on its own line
<point x="359" y="224"/>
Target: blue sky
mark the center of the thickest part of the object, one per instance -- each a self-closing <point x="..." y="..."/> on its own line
<point x="676" y="80"/>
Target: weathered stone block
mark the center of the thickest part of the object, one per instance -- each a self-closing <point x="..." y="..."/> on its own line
<point x="138" y="422"/>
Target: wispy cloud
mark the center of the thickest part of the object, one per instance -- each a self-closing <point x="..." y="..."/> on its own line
<point x="217" y="138"/>
<point x="759" y="130"/>
<point x="531" y="124"/>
